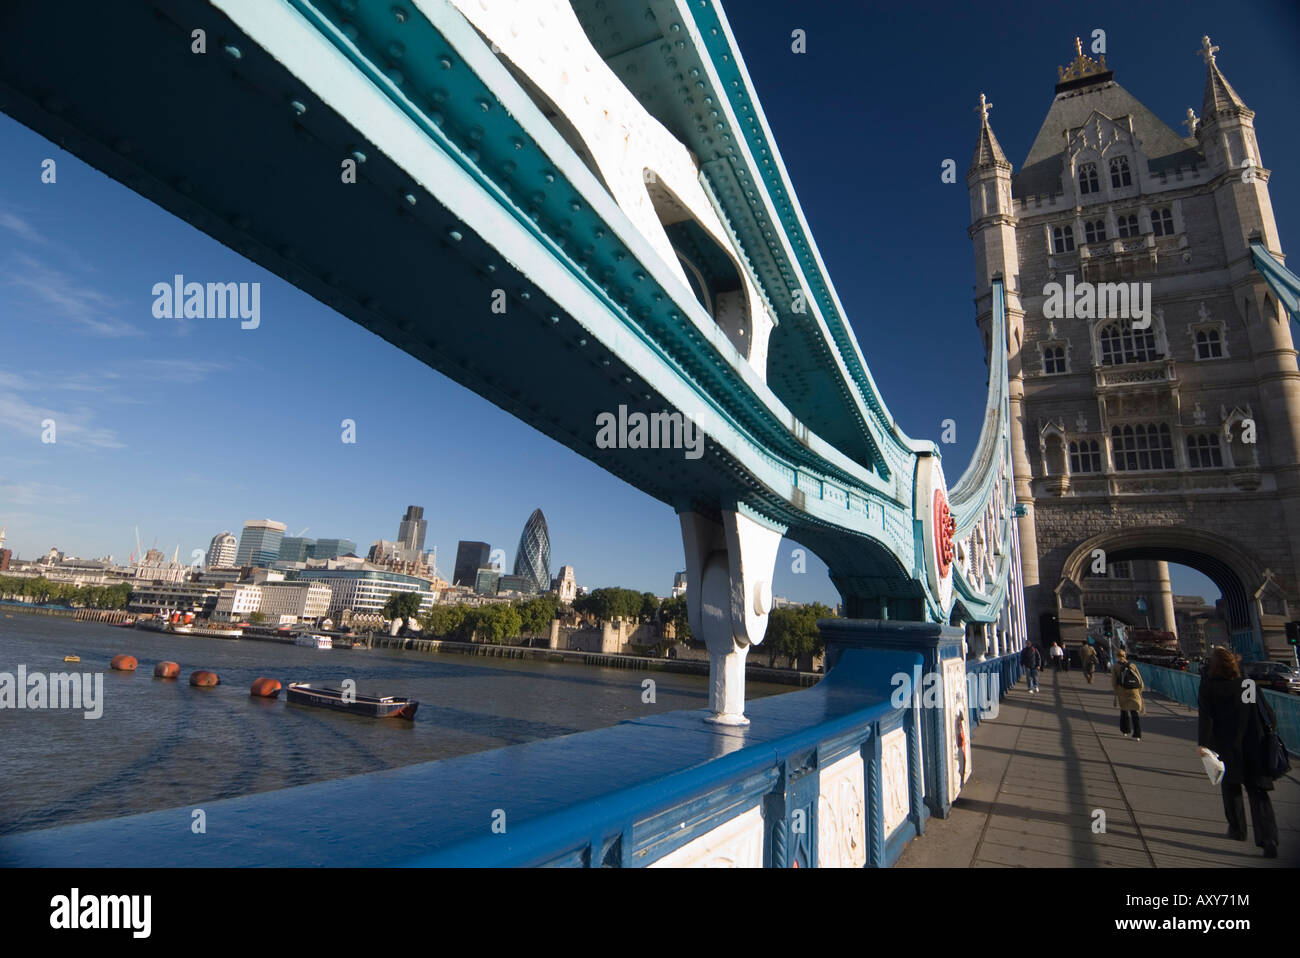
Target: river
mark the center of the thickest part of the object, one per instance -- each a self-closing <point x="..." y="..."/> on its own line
<point x="162" y="744"/>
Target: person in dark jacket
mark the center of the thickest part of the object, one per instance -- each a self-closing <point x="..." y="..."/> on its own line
<point x="1231" y="725"/>
<point x="1088" y="659"/>
<point x="1031" y="660"/>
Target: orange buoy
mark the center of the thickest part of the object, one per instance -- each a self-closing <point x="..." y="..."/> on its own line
<point x="265" y="688"/>
<point x="166" y="670"/>
<point x="204" y="680"/>
<point x="123" y="663"/>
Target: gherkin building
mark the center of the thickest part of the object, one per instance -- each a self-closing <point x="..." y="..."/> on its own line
<point x="533" y="557"/>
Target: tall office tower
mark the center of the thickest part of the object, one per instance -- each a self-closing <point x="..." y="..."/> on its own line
<point x="533" y="557"/>
<point x="332" y="548"/>
<point x="221" y="551"/>
<point x="410" y="534"/>
<point x="295" y="548"/>
<point x="259" y="543"/>
<point x="470" y="557"/>
<point x="1155" y="399"/>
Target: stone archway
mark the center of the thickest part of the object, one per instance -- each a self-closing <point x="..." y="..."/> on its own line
<point x="1255" y="612"/>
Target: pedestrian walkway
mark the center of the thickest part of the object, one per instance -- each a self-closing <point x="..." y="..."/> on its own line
<point x="1049" y="763"/>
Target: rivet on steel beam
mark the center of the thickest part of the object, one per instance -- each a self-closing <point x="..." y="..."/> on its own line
<point x="410" y="198"/>
<point x="298" y="107"/>
<point x="399" y="14"/>
<point x="232" y="51"/>
<point x="358" y="156"/>
<point x="444" y="62"/>
<point x="396" y="50"/>
<point x="456" y="235"/>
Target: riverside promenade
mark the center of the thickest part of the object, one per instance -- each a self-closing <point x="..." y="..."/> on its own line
<point x="1049" y="761"/>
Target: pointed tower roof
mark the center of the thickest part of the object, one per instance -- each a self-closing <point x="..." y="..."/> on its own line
<point x="1220" y="97"/>
<point x="1086" y="87"/>
<point x="988" y="152"/>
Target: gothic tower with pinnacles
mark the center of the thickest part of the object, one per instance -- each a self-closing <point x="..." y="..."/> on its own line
<point x="1155" y="397"/>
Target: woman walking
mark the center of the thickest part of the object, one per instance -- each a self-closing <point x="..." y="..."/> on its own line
<point x="1231" y="725"/>
<point x="1127" y="685"/>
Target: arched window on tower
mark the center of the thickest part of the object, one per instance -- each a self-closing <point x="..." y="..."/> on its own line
<point x="1203" y="451"/>
<point x="1063" y="239"/>
<point x="1209" y="344"/>
<point x="1119" y="173"/>
<point x="1053" y="360"/>
<point x="1094" y="231"/>
<point x="1127" y="224"/>
<point x="1085" y="456"/>
<point x="1088" y="178"/>
<point x="1142" y="446"/>
<point x="1118" y="343"/>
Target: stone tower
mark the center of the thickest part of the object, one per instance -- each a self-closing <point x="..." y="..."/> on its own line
<point x="1155" y="396"/>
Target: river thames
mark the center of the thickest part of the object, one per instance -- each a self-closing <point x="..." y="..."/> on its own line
<point x="162" y="744"/>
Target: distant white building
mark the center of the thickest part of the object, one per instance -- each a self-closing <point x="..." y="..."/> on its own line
<point x="238" y="601"/>
<point x="287" y="602"/>
<point x="367" y="590"/>
<point x="679" y="585"/>
<point x="221" y="551"/>
<point x="565" y="585"/>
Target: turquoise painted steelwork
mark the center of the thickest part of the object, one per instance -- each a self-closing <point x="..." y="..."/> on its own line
<point x="473" y="164"/>
<point x="1284" y="283"/>
<point x="466" y="188"/>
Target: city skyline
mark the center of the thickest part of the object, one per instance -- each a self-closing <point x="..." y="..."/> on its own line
<point x="138" y="446"/>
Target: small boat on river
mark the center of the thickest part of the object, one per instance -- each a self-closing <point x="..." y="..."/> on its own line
<point x="387" y="706"/>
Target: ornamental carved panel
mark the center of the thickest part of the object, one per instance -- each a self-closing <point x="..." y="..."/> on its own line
<point x="842" y="815"/>
<point x="956" y="732"/>
<point x="893" y="767"/>
<point x="737" y="843"/>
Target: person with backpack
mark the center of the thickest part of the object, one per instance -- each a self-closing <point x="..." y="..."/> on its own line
<point x="1235" y="722"/>
<point x="1127" y="685"/>
<point x="1031" y="660"/>
<point x="1088" y="658"/>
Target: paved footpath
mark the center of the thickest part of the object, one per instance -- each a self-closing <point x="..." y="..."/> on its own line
<point x="1048" y="761"/>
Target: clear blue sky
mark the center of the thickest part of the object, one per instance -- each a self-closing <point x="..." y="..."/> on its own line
<point x="184" y="428"/>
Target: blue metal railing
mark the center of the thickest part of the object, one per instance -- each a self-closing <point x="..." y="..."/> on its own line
<point x="1185" y="687"/>
<point x="1005" y="669"/>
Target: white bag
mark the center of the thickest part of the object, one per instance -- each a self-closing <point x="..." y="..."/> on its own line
<point x="1213" y="766"/>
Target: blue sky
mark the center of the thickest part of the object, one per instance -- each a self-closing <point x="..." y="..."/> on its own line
<point x="185" y="428"/>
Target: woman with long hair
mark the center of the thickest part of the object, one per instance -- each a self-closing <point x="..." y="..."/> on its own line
<point x="1126" y="683"/>
<point x="1230" y="724"/>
